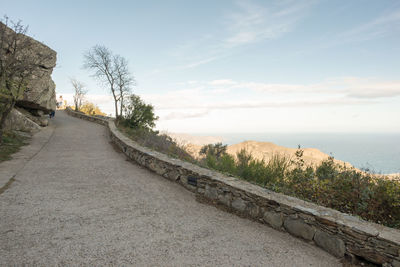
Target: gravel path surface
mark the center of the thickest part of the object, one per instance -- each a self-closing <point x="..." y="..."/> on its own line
<point x="79" y="202"/>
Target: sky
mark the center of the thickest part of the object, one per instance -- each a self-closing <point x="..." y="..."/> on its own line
<point x="235" y="66"/>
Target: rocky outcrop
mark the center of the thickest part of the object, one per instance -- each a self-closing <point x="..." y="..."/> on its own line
<point x="40" y="92"/>
<point x="19" y="122"/>
<point x="39" y="97"/>
<point x="36" y="116"/>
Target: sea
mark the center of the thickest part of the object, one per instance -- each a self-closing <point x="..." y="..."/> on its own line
<point x="377" y="152"/>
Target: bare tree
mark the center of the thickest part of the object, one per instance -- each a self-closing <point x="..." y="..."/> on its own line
<point x="99" y="59"/>
<point x="18" y="63"/>
<point x="112" y="71"/>
<point x="124" y="79"/>
<point x="80" y="93"/>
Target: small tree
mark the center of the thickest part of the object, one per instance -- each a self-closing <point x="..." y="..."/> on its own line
<point x="111" y="70"/>
<point x="138" y="114"/>
<point x="18" y="63"/>
<point x="99" y="59"/>
<point x="80" y="93"/>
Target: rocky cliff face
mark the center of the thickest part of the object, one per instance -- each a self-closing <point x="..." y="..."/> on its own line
<point x="40" y="93"/>
<point x="39" y="97"/>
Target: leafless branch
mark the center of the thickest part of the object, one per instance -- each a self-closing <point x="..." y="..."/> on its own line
<point x="124" y="79"/>
<point x="111" y="70"/>
<point x="80" y="92"/>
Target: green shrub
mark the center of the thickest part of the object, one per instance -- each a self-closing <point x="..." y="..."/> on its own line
<point x="218" y="150"/>
<point x="327" y="169"/>
<point x="276" y="169"/>
<point x="226" y="164"/>
<point x="138" y="114"/>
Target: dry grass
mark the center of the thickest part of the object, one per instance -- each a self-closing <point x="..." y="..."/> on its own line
<point x="158" y="142"/>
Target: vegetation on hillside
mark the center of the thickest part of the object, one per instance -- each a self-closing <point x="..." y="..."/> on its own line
<point x="156" y="141"/>
<point x="137" y="122"/>
<point x="12" y="142"/>
<point x="371" y="197"/>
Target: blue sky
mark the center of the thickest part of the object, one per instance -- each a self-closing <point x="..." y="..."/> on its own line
<point x="236" y="66"/>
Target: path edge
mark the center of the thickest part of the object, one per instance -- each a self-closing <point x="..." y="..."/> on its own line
<point x="10" y="168"/>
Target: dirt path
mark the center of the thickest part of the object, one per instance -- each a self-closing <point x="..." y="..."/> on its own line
<point x="79" y="202"/>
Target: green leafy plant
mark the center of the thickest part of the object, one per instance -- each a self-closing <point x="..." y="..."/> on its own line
<point x="138" y="114"/>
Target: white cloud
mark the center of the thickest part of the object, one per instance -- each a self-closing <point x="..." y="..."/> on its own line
<point x="385" y="24"/>
<point x="271" y="87"/>
<point x="185" y="115"/>
<point x="198" y="63"/>
<point x="223" y="82"/>
<point x="370" y="88"/>
<point x="347" y="86"/>
<point x="249" y="23"/>
<point x="200" y="98"/>
<point x="254" y="23"/>
<point x="230" y="94"/>
<point x="262" y="104"/>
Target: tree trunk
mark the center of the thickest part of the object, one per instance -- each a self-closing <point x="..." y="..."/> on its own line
<point x="115" y="102"/>
<point x="121" y="104"/>
<point x="116" y="108"/>
<point x="3" y="118"/>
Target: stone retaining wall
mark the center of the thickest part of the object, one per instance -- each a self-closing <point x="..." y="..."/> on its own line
<point x="97" y="119"/>
<point x="337" y="233"/>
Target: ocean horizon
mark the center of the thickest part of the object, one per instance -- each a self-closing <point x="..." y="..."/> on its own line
<point x="377" y="152"/>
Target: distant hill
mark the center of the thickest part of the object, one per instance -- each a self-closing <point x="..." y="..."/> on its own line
<point x="192" y="143"/>
<point x="260" y="150"/>
<point x="265" y="150"/>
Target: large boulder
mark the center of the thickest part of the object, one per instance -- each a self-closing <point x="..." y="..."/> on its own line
<point x="40" y="93"/>
<point x="40" y="89"/>
<point x="39" y="97"/>
<point x="18" y="121"/>
<point x="37" y="116"/>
